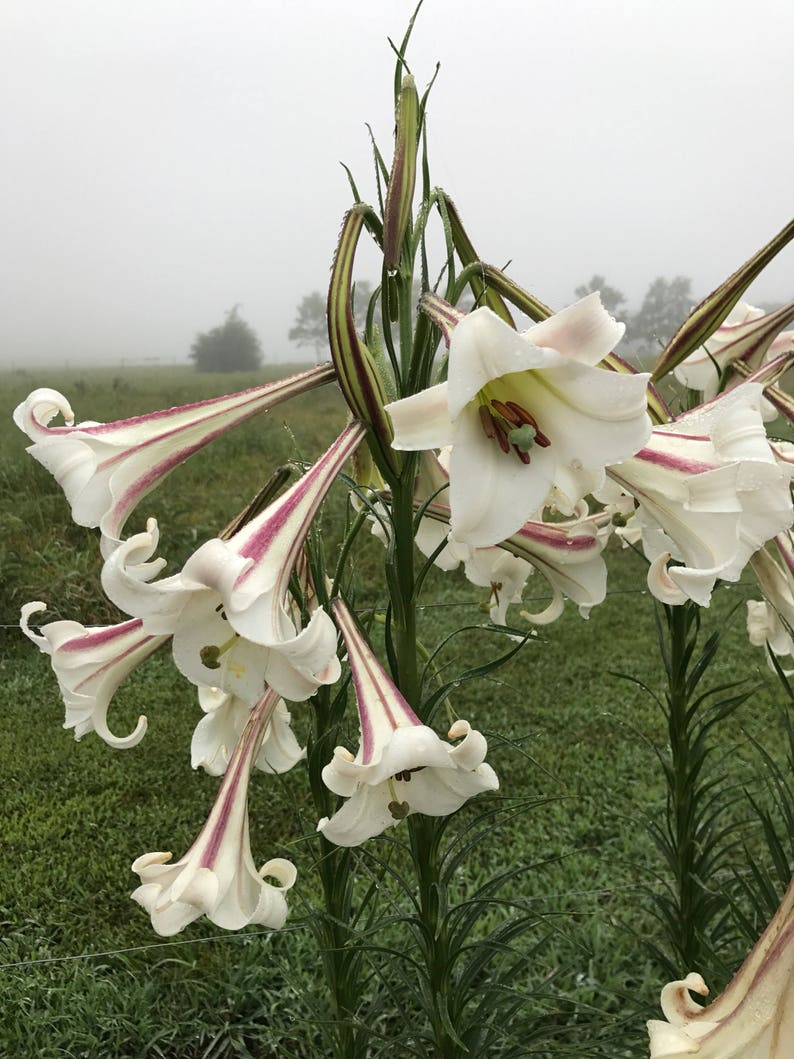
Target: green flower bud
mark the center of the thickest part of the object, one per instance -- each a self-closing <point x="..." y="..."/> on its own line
<point x="356" y="373"/>
<point x="400" y="193"/>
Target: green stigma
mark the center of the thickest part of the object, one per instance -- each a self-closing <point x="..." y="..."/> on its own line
<point x="523" y="437"/>
<point x="399" y="810"/>
<point x="209" y="656"/>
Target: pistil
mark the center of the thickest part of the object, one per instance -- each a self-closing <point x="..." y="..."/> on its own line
<point x="210" y="654"/>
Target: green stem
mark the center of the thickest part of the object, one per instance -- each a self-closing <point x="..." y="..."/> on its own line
<point x="333" y="926"/>
<point x="404" y="606"/>
<point x="681" y="822"/>
<point x="424" y="833"/>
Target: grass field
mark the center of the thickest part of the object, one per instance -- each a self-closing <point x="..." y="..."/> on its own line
<point x="81" y="972"/>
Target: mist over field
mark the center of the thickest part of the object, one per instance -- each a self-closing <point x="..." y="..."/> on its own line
<point x="167" y="162"/>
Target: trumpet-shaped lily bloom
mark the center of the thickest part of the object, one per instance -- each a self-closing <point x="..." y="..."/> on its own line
<point x="566" y="553"/>
<point x="530" y="417"/>
<point x="106" y="468"/>
<point x="225" y="717"/>
<point x="217" y="876"/>
<point x="771" y="620"/>
<point x="569" y="556"/>
<point x="710" y="491"/>
<point x="89" y="665"/>
<point x="402" y="766"/>
<point x="229" y="608"/>
<point x="752" y="1019"/>
<point x="703" y="369"/>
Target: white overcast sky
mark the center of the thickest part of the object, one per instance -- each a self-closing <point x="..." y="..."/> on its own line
<point x="165" y="159"/>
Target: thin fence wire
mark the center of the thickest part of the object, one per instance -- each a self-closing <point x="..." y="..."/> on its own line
<point x="297" y="928"/>
<point x="543" y="597"/>
<point x="600" y="891"/>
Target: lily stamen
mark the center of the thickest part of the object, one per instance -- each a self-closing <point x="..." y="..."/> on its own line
<point x="487" y="421"/>
<point x="512" y="426"/>
<point x="522" y="417"/>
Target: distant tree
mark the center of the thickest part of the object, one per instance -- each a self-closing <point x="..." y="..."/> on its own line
<point x="613" y="300"/>
<point x="234" y="346"/>
<point x="665" y="307"/>
<point x="310" y="327"/>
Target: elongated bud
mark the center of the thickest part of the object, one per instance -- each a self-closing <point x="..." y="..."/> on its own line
<point x="400" y="193"/>
<point x="269" y="491"/>
<point x="355" y="369"/>
<point x="445" y="316"/>
<point x="483" y="292"/>
<point x="707" y="317"/>
<point x="502" y="284"/>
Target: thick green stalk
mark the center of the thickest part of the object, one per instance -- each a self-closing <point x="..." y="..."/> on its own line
<point x="341" y="956"/>
<point x="682" y="787"/>
<point x="402" y="585"/>
<point x="434" y="940"/>
<point x="423" y="830"/>
<point x="693" y="839"/>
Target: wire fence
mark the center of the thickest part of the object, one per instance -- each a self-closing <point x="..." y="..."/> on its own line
<point x="602" y="891"/>
<point x="543" y="597"/>
<point x="235" y="937"/>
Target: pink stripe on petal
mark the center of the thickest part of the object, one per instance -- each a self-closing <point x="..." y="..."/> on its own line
<point x="237" y="772"/>
<point x="114" y="661"/>
<point x="99" y="637"/>
<point x="549" y="534"/>
<point x="380" y="693"/>
<point x="310" y="490"/>
<point x="674" y="463"/>
<point x="323" y="373"/>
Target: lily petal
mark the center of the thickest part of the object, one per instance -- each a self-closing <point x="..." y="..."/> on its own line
<point x="217" y="876"/>
<point x="90" y="664"/>
<point x="584" y="331"/>
<point x="752" y="1019"/>
<point x="401" y="766"/>
<point x="422" y="421"/>
<point x="105" y="469"/>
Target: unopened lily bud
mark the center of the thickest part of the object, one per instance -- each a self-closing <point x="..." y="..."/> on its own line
<point x="400" y="193"/>
<point x="483" y="292"/>
<point x="356" y="373"/>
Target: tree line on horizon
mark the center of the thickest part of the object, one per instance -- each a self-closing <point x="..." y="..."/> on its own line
<point x="235" y="345"/>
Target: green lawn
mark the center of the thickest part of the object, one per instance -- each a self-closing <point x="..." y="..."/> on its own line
<point x="567" y="737"/>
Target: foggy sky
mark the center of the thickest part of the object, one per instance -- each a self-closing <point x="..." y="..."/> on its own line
<point x="166" y="159"/>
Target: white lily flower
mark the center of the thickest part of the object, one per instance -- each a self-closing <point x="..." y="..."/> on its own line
<point x="566" y="553"/>
<point x="217" y="733"/>
<point x="106" y="468"/>
<point x="217" y="876"/>
<point x="569" y="556"/>
<point x="710" y="491"/>
<point x="703" y="369"/>
<point x="529" y="417"/>
<point x="771" y="620"/>
<point x="229" y="608"/>
<point x="402" y="766"/>
<point x="90" y="664"/>
<point x="503" y="574"/>
<point x="752" y="1019"/>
